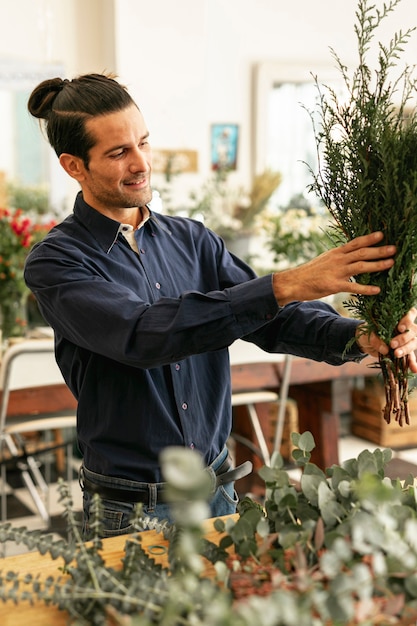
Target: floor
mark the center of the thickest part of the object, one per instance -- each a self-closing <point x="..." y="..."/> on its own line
<point x="23" y="512"/>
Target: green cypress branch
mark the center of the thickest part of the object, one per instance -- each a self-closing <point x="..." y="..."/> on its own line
<point x="367" y="178"/>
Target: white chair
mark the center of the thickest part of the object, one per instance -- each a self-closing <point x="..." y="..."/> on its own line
<point x="245" y="353"/>
<point x="24" y="365"/>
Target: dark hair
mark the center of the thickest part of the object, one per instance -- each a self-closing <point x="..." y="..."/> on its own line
<point x="65" y="105"/>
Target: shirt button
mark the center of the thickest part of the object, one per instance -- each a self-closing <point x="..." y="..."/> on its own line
<point x="142" y="251"/>
<point x="192" y="445"/>
<point x="177" y="366"/>
<point x="184" y="406"/>
<point x="157" y="285"/>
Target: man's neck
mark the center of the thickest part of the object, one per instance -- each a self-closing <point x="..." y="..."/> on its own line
<point x="142" y="216"/>
<point x="132" y="216"/>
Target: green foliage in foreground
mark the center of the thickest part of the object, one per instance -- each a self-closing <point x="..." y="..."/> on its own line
<point x="340" y="548"/>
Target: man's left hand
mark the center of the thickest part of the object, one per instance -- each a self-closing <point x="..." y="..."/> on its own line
<point x="404" y="343"/>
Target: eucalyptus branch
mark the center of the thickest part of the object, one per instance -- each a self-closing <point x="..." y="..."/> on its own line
<point x="332" y="550"/>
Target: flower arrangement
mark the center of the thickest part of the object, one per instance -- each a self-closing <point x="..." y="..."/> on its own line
<point x="232" y="211"/>
<point x="297" y="233"/>
<point x="18" y="232"/>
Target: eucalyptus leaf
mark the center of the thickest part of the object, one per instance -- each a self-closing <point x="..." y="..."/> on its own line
<point x="368" y="463"/>
<point x="345" y="488"/>
<point x="411" y="585"/>
<point x="242" y="530"/>
<point x="289" y="536"/>
<point x="340" y="604"/>
<point x="330" y="564"/>
<point x="219" y="525"/>
<point x="332" y="512"/>
<point x="277" y="460"/>
<point x="262" y="528"/>
<point x="284" y="501"/>
<point x="273" y="475"/>
<point x="310" y="485"/>
<point x="410" y="530"/>
<point x="305" y="442"/>
<point x="343" y="549"/>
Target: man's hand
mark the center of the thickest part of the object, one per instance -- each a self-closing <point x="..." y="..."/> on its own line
<point x="331" y="272"/>
<point x="404" y="343"/>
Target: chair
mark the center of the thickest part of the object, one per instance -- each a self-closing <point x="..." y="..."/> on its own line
<point x="26" y="365"/>
<point x="245" y="353"/>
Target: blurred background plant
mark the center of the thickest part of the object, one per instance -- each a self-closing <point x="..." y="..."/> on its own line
<point x="297" y="233"/>
<point x="230" y="211"/>
<point x="26" y="220"/>
<point x="288" y="235"/>
<point x="233" y="211"/>
<point x="30" y="199"/>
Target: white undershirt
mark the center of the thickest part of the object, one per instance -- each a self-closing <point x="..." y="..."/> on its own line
<point x="128" y="231"/>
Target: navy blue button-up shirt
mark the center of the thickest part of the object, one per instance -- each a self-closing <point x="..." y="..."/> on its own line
<point x="141" y="338"/>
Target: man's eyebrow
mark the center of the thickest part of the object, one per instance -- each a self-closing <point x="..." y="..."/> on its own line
<point x="121" y="146"/>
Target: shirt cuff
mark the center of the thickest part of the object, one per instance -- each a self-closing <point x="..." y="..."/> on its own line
<point x="340" y="333"/>
<point x="253" y="303"/>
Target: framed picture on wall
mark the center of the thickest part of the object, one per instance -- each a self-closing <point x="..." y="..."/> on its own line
<point x="224" y="141"/>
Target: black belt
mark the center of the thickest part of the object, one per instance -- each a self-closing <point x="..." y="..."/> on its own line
<point x="224" y="474"/>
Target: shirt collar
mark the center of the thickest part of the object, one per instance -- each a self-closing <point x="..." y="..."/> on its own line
<point x="129" y="227"/>
<point x="103" y="228"/>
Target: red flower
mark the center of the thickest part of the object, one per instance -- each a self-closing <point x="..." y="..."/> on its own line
<point x="18" y="233"/>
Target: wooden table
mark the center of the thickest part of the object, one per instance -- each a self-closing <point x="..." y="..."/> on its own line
<point x="24" y="614"/>
<point x="50" y="399"/>
<point x="312" y="386"/>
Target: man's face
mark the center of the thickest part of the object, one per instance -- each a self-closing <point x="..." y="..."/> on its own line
<point x="118" y="174"/>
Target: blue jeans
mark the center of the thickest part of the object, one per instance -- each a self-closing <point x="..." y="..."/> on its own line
<point x="117" y="515"/>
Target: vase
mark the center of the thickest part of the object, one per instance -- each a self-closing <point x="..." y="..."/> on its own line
<point x="13" y="317"/>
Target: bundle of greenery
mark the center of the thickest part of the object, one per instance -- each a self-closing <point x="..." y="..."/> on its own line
<point x="367" y="177"/>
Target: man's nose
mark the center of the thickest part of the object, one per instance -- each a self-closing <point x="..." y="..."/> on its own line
<point x="139" y="161"/>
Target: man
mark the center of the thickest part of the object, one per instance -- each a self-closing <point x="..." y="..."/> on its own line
<point x="144" y="306"/>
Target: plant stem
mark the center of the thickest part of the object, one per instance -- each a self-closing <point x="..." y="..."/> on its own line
<point x="394" y="372"/>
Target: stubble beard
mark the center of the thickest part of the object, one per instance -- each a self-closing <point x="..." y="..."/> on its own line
<point x="124" y="200"/>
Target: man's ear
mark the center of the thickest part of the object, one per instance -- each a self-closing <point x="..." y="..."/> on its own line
<point x="74" y="166"/>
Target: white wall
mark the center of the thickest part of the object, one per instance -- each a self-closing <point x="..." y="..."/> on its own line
<point x="69" y="32"/>
<point x="189" y="63"/>
<point x="36" y="30"/>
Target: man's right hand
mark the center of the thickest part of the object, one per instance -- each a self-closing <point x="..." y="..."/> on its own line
<point x="331" y="272"/>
